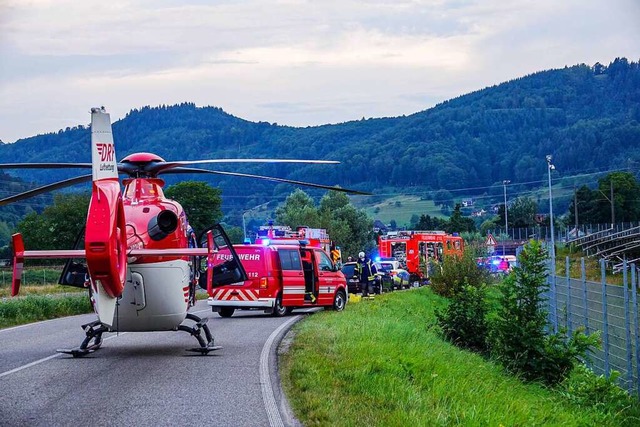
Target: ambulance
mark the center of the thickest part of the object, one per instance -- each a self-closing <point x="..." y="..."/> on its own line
<point x="282" y="276"/>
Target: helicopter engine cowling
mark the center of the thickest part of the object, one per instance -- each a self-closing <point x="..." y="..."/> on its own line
<point x="162" y="225"/>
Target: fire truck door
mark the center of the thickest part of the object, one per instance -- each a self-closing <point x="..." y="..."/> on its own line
<point x="328" y="276"/>
<point x="310" y="276"/>
<point x="293" y="282"/>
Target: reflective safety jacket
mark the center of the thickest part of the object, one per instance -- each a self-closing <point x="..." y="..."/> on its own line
<point x="366" y="270"/>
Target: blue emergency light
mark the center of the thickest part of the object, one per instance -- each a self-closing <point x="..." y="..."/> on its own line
<point x="247" y="241"/>
<point x="266" y="242"/>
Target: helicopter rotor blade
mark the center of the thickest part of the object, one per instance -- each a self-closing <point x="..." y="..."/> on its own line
<point x="44" y="165"/>
<point x="268" y="178"/>
<point x="162" y="166"/>
<point x="46" y="189"/>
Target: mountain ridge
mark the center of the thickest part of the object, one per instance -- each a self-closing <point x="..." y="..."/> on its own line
<point x="587" y="117"/>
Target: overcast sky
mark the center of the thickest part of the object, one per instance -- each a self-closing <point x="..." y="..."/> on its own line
<point x="293" y="62"/>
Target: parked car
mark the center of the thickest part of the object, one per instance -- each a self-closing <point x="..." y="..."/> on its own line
<point x="349" y="271"/>
<point x="397" y="276"/>
<point x="353" y="284"/>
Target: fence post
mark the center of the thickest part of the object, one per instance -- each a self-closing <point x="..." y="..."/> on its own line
<point x="569" y="310"/>
<point x="627" y="324"/>
<point x="605" y="319"/>
<point x="584" y="296"/>
<point x="634" y="299"/>
<point x="554" y="294"/>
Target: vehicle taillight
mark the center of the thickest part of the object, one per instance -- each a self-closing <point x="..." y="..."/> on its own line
<point x="264" y="283"/>
<point x="393" y="273"/>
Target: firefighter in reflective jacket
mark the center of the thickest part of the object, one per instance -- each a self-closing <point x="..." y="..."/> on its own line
<point x="366" y="271"/>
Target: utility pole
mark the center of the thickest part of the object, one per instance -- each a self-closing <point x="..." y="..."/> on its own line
<point x="613" y="214"/>
<point x="610" y="200"/>
<point x="506" y="223"/>
<point x="575" y="207"/>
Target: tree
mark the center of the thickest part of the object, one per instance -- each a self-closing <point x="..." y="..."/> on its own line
<point x="59" y="224"/>
<point x="594" y="206"/>
<point x="519" y="330"/>
<point x="458" y="224"/>
<point x="443" y="198"/>
<point x="626" y="203"/>
<point x="587" y="207"/>
<point x="427" y="222"/>
<point x="235" y="234"/>
<point x="348" y="227"/>
<point x="298" y="209"/>
<point x="522" y="213"/>
<point x="200" y="201"/>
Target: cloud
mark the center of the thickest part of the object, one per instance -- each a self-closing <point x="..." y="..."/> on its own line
<point x="288" y="61"/>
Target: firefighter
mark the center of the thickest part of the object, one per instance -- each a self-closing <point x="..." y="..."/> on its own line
<point x="336" y="255"/>
<point x="366" y="271"/>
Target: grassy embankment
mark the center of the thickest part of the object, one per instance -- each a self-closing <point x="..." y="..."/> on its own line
<point x="41" y="298"/>
<point x="382" y="363"/>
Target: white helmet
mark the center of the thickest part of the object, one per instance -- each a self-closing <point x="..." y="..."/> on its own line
<point x="361" y="255"/>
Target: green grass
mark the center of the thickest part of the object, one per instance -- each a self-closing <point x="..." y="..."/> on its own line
<point x="33" y="308"/>
<point x="382" y="363"/>
<point x="401" y="208"/>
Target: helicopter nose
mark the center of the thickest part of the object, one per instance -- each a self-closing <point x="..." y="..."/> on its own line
<point x="162" y="225"/>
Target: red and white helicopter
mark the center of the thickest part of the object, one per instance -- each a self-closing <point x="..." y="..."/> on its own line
<point x="142" y="259"/>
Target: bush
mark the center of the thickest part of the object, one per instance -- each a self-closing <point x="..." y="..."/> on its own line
<point x="517" y="334"/>
<point x="463" y="322"/>
<point x="456" y="272"/>
<point x="589" y="390"/>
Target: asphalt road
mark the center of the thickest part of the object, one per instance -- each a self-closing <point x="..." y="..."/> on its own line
<point x="144" y="379"/>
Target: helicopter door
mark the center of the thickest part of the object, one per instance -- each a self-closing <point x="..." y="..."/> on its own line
<point x="227" y="268"/>
<point x="75" y="272"/>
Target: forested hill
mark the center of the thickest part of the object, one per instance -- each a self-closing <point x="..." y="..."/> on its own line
<point x="588" y="117"/>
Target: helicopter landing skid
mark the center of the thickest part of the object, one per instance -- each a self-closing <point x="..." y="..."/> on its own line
<point x="197" y="331"/>
<point x="94" y="331"/>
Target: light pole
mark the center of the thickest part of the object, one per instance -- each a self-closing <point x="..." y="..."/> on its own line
<point x="554" y="296"/>
<point x="244" y="226"/>
<point x="506" y="223"/>
<point x="553" y="246"/>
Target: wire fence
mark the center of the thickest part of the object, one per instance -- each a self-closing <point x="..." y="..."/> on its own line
<point x="32" y="276"/>
<point x="610" y="309"/>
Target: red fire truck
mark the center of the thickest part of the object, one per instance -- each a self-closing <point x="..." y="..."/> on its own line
<point x="315" y="237"/>
<point x="416" y="249"/>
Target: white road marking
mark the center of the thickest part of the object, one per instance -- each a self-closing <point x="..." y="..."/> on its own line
<point x="13" y="328"/>
<point x="275" y="419"/>
<point x="37" y="362"/>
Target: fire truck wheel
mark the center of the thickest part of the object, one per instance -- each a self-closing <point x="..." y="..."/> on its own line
<point x="278" y="309"/>
<point x="339" y="301"/>
<point x="226" y="312"/>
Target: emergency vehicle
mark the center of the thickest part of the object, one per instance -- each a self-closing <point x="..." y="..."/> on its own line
<point x="316" y="237"/>
<point x="282" y="275"/>
<point x="416" y="249"/>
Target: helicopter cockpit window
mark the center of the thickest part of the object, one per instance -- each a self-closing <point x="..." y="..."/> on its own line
<point x="143" y="189"/>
